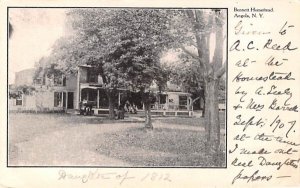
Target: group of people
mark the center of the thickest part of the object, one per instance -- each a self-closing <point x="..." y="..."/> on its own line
<point x="131" y="108"/>
<point x="127" y="107"/>
<point x="86" y="108"/>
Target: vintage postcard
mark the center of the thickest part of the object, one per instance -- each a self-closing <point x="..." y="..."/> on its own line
<point x="150" y="94"/>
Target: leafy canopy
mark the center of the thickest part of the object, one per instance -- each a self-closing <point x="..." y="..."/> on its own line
<point x="124" y="45"/>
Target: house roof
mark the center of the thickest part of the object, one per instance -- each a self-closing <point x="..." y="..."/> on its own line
<point x="26" y="71"/>
<point x="170" y="87"/>
<point x="85" y="65"/>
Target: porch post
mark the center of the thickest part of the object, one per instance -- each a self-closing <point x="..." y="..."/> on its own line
<point x="159" y="99"/>
<point x="66" y="102"/>
<point x="191" y="104"/>
<point x="119" y="99"/>
<point x="62" y="99"/>
<point x="167" y="102"/>
<point x="78" y="93"/>
<point x="22" y="98"/>
<point x="98" y="98"/>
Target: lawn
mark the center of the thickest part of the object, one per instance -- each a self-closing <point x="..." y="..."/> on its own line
<point x="62" y="139"/>
<point x="160" y="147"/>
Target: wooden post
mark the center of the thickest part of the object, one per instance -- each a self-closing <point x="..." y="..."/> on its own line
<point x="78" y="89"/>
<point x="167" y="102"/>
<point x="66" y="102"/>
<point x="98" y="98"/>
<point x="62" y="99"/>
<point x="119" y="99"/>
<point x="22" y="98"/>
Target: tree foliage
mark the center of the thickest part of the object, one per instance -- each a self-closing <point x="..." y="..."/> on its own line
<point x="123" y="45"/>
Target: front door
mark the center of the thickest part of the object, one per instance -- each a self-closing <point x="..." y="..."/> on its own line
<point x="70" y="100"/>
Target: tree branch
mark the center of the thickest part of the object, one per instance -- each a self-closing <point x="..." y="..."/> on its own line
<point x="190" y="53"/>
<point x="193" y="43"/>
<point x="201" y="61"/>
<point x="222" y="70"/>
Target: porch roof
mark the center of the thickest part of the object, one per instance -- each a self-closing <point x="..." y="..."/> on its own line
<point x="95" y="86"/>
<point x="178" y="93"/>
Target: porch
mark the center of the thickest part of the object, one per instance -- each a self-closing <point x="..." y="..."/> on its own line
<point x="164" y="104"/>
<point x="97" y="98"/>
<point x="172" y="104"/>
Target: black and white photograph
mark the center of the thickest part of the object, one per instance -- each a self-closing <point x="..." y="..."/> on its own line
<point x="117" y="87"/>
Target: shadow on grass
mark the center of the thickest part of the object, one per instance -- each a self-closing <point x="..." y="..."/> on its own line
<point x="59" y="119"/>
<point x="160" y="147"/>
<point x="197" y="122"/>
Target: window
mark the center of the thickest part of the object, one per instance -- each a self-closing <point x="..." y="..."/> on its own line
<point x="93" y="77"/>
<point x="162" y="98"/>
<point x="100" y="80"/>
<point x="57" y="81"/>
<point x="182" y="100"/>
<point x="19" y="102"/>
<point x="38" y="81"/>
<point x="58" y="102"/>
<point x="64" y="81"/>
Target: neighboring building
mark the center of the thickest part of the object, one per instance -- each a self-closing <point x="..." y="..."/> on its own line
<point x="172" y="101"/>
<point x="45" y="93"/>
<point x="24" y="77"/>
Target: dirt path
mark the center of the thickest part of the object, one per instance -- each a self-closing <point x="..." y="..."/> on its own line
<point x="66" y="147"/>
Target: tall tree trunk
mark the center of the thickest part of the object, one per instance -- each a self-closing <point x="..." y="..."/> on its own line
<point x="111" y="103"/>
<point x="147" y="98"/>
<point x="204" y="104"/>
<point x="148" y="121"/>
<point x="212" y="122"/>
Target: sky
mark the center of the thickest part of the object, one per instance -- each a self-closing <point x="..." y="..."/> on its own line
<point x="34" y="32"/>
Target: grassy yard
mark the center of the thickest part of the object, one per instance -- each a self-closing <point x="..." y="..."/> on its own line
<point x="160" y="147"/>
<point x="62" y="139"/>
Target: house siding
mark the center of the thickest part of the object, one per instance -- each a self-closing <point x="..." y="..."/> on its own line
<point x="42" y="99"/>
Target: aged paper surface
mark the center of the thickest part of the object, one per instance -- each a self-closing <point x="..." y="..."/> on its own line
<point x="263" y="99"/>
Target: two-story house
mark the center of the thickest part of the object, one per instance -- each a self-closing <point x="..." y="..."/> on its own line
<point x="58" y="92"/>
<point x="170" y="102"/>
<point x="90" y="87"/>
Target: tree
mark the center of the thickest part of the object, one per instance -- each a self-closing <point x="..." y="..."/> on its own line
<point x="147" y="40"/>
<point x="10" y="29"/>
<point x="212" y="70"/>
<point x="124" y="46"/>
<point x="194" y="34"/>
<point x="89" y="44"/>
